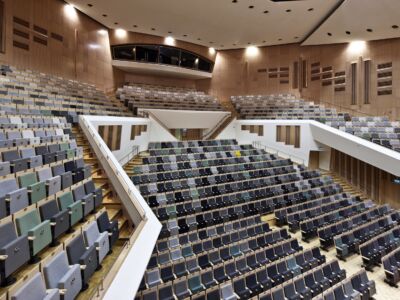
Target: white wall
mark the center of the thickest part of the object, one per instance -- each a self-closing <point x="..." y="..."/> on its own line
<point x="173" y="119"/>
<point x="307" y="142"/>
<point x="316" y="136"/>
<point x="155" y="132"/>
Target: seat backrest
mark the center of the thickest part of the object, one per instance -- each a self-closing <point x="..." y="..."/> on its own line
<point x="55" y="269"/>
<point x="10" y="155"/>
<point x="27" y="179"/>
<point x="91" y="233"/>
<point x="58" y="169"/>
<point x="34" y="288"/>
<point x="65" y="200"/>
<point x="79" y="192"/>
<point x="7" y="233"/>
<point x="27" y="221"/>
<point x="75" y="249"/>
<point x="7" y="186"/>
<point x="27" y="152"/>
<point x="227" y="291"/>
<point x="44" y="174"/>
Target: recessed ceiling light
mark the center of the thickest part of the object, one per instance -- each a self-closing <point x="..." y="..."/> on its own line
<point x="115" y="23"/>
<point x="264" y="42"/>
<point x="279" y="39"/>
<point x="296" y="37"/>
<point x="251" y="6"/>
<point x="185" y="35"/>
<point x="234" y="1"/>
<point x="330" y="34"/>
<point x="369" y="30"/>
<point x="199" y="39"/>
<point x="169" y="32"/>
<point x="266" y="11"/>
<point x="248" y="43"/>
<point x="211" y="42"/>
<point x="104" y="15"/>
<point x="348" y="32"/>
<point x="395" y="26"/>
<point x="288" y="10"/>
<point x="153" y="29"/>
<point x="310" y="9"/>
<point x="90" y="5"/>
<point x="233" y="44"/>
<point x="135" y="26"/>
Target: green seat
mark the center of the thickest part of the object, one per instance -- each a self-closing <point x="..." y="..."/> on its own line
<point x="235" y="251"/>
<point x="171" y="211"/>
<point x="195" y="284"/>
<point x="187" y="251"/>
<point x="66" y="201"/>
<point x="39" y="233"/>
<point x="70" y="153"/>
<point x="64" y="146"/>
<point x="194" y="193"/>
<point x="37" y="190"/>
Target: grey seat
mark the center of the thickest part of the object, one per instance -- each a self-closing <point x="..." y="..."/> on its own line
<point x="53" y="183"/>
<point x="58" y="274"/>
<point x="97" y="193"/>
<point x="14" y="252"/>
<point x="14" y="197"/>
<point x="33" y="159"/>
<point x="66" y="177"/>
<point x="153" y="277"/>
<point x="227" y="292"/>
<point x="59" y="220"/>
<point x="17" y="163"/>
<point x="181" y="289"/>
<point x="93" y="236"/>
<point x="5" y="168"/>
<point x="34" y="289"/>
<point x="87" y="200"/>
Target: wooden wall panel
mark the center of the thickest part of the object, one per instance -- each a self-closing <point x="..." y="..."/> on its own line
<point x="83" y="54"/>
<point x="375" y="183"/>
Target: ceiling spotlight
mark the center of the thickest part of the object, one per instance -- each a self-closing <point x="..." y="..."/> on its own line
<point x="252" y="51"/>
<point x="356" y="47"/>
<point x="169" y="40"/>
<point x="70" y="11"/>
<point x="211" y="50"/>
<point x="120" y="33"/>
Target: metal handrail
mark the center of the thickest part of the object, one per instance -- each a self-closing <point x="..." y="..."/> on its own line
<point x="215" y="128"/>
<point x="131" y="154"/>
<point x="272" y="150"/>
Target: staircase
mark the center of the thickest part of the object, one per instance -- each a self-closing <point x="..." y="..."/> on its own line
<point x="110" y="199"/>
<point x="347" y="187"/>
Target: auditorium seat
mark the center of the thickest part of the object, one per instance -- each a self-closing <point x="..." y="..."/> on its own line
<point x="34" y="288"/>
<point x="85" y="256"/>
<point x="59" y="220"/>
<point x="59" y="274"/>
<point x="38" y="231"/>
<point x="66" y="202"/>
<point x="93" y="237"/>
<point x="12" y="260"/>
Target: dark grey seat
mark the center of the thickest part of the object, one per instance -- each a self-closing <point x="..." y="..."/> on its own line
<point x="14" y="252"/>
<point x="59" y="220"/>
<point x="16" y="162"/>
<point x="66" y="177"/>
<point x="87" y="200"/>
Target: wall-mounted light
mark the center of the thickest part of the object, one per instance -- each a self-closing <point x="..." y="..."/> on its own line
<point x="211" y="51"/>
<point x="70" y="11"/>
<point x="120" y="33"/>
<point x="252" y="51"/>
<point x="94" y="46"/>
<point x="169" y="40"/>
<point x="357" y="47"/>
<point x="102" y="32"/>
<point x="196" y="61"/>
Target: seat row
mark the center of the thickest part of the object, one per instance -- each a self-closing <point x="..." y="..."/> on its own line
<point x="192" y="143"/>
<point x="198" y="150"/>
<point x="246" y="282"/>
<point x="16" y="121"/>
<point x="16" y="138"/>
<point x="25" y="158"/>
<point x="327" y="233"/>
<point x="349" y="242"/>
<point x="309" y="228"/>
<point x="34" y="187"/>
<point x="67" y="270"/>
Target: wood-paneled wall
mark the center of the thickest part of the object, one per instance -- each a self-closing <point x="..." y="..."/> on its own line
<point x="83" y="54"/>
<point x="237" y="74"/>
<point x="374" y="182"/>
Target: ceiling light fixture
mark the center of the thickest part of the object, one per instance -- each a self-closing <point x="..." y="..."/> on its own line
<point x="252" y="51"/>
<point x="356" y="47"/>
<point x="169" y="40"/>
<point x="120" y="33"/>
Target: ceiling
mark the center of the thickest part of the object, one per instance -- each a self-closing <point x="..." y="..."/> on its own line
<point x="230" y="24"/>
